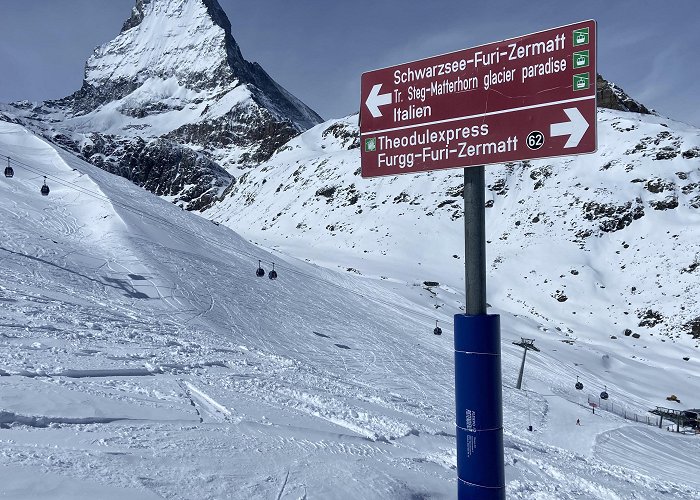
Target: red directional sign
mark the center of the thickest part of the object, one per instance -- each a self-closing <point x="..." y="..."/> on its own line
<point x="528" y="97"/>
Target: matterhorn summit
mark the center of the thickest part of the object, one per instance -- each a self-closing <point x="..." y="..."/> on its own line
<point x="171" y="104"/>
<point x="168" y="39"/>
<point x="183" y="50"/>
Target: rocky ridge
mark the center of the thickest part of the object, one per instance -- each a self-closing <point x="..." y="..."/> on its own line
<point x="611" y="96"/>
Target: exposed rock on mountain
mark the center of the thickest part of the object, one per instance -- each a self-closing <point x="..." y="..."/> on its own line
<point x="613" y="97"/>
<point x="161" y="166"/>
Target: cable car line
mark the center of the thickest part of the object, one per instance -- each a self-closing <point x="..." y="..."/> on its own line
<point x="45" y="189"/>
<point x="9" y="172"/>
<point x="179" y="228"/>
<point x="260" y="272"/>
<point x="99" y="196"/>
<point x="154" y="218"/>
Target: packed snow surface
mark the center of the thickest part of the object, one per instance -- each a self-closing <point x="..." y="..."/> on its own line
<point x="140" y="357"/>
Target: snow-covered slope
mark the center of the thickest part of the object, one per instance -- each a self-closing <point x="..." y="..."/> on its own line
<point x="172" y="81"/>
<point x="140" y="357"/>
<point x="601" y="249"/>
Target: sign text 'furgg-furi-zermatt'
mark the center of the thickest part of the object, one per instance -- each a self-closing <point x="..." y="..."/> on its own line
<point x="528" y="97"/>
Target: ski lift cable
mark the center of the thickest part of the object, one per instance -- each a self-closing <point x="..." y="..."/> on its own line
<point x="149" y="216"/>
<point x="365" y="296"/>
<point x="592" y="380"/>
<point x="102" y="197"/>
<point x="179" y="228"/>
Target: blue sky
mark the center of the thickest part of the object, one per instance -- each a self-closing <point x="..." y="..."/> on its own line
<point x="318" y="50"/>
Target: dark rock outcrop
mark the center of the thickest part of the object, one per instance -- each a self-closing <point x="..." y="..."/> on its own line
<point x="160" y="166"/>
<point x="612" y="217"/>
<point x="613" y="97"/>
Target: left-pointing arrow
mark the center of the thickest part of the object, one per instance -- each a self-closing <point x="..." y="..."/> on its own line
<point x="574" y="128"/>
<point x="375" y="99"/>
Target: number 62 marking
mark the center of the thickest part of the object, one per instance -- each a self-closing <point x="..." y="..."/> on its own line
<point x="535" y="140"/>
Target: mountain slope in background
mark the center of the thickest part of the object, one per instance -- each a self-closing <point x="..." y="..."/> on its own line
<point x="173" y="90"/>
<point x="599" y="248"/>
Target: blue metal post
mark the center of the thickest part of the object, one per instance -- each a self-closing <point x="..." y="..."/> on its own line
<point x="479" y="405"/>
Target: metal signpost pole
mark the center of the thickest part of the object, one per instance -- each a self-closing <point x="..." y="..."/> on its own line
<point x="475" y="240"/>
<point x="477" y="338"/>
<point x="528" y="97"/>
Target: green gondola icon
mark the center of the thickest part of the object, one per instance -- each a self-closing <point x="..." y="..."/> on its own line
<point x="370" y="145"/>
<point x="580" y="37"/>
<point x="581" y="59"/>
<point x="582" y="81"/>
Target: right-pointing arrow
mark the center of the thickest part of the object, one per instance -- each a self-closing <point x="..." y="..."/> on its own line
<point x="574" y="128"/>
<point x="375" y="99"/>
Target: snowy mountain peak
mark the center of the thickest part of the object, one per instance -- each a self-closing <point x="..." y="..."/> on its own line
<point x="166" y="38"/>
<point x="137" y="14"/>
<point x="171" y="53"/>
